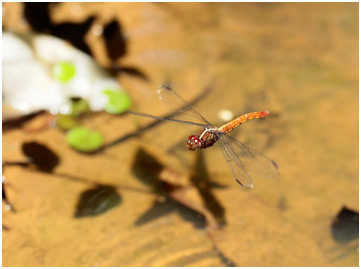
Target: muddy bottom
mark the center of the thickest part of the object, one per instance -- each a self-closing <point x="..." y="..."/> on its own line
<point x="142" y="200"/>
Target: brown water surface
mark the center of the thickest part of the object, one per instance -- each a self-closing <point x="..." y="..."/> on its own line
<point x="299" y="61"/>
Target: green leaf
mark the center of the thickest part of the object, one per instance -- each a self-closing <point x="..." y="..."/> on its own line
<point x="83" y="139"/>
<point x="118" y="101"/>
<point x="64" y="71"/>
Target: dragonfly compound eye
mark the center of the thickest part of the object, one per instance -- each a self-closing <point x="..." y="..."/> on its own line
<point x="193" y="142"/>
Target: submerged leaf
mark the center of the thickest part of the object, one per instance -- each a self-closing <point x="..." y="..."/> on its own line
<point x="97" y="201"/>
<point x="345" y="226"/>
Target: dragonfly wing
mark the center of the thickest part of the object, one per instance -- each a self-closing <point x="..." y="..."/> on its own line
<point x="238" y="170"/>
<point x="179" y="107"/>
<point x="246" y="162"/>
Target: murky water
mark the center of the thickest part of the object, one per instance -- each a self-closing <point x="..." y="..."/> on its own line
<point x="299" y="61"/>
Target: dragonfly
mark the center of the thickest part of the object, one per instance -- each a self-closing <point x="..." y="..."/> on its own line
<point x="243" y="161"/>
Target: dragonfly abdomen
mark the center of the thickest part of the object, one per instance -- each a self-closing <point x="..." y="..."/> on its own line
<point x="242" y="119"/>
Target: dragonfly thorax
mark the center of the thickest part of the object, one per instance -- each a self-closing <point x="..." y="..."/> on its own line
<point x="204" y="140"/>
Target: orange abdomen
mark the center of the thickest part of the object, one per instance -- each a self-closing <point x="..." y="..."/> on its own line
<point x="241" y="119"/>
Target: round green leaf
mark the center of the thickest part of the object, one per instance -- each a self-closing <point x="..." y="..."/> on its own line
<point x="64" y="71"/>
<point x="83" y="139"/>
<point x="118" y="101"/>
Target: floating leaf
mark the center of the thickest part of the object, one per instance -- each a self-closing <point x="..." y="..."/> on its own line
<point x="97" y="201"/>
<point x="118" y="101"/>
<point x="83" y="139"/>
<point x="64" y="71"/>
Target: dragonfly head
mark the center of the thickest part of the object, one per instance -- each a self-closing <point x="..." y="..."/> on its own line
<point x="194" y="142"/>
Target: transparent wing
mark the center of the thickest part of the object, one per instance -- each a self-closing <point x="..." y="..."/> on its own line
<point x="239" y="172"/>
<point x="179" y="107"/>
<point x="245" y="162"/>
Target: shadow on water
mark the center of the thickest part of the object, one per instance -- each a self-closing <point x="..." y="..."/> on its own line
<point x="41" y="158"/>
<point x="94" y="201"/>
<point x="41" y="155"/>
<point x="201" y="180"/>
<point x="177" y="196"/>
<point x="153" y="124"/>
<point x="115" y="44"/>
<point x="39" y="18"/>
<point x="147" y="169"/>
<point x="116" y="48"/>
<point x="18" y="122"/>
<point x="163" y="208"/>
